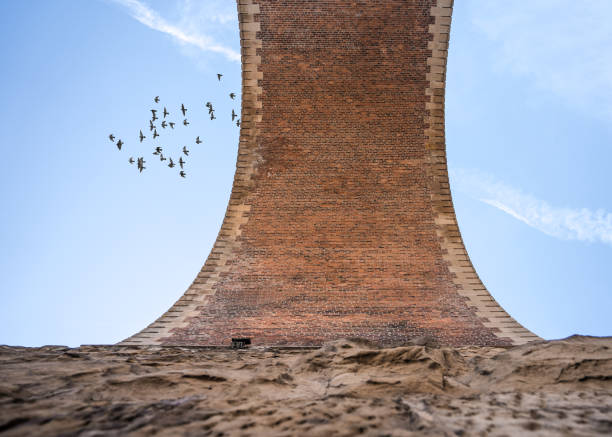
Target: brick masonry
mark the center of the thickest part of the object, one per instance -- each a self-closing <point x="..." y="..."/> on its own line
<point x="340" y="222"/>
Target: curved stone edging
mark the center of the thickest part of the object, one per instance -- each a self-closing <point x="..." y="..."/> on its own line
<point x="236" y="215"/>
<point x="465" y="277"/>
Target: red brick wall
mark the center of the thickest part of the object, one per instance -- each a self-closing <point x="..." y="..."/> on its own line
<point x="334" y="228"/>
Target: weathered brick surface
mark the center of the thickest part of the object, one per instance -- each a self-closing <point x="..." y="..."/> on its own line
<point x="340" y="222"/>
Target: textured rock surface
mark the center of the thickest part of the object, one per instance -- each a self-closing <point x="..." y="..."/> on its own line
<point x="347" y="387"/>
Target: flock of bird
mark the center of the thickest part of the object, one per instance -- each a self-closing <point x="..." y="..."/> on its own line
<point x="158" y="151"/>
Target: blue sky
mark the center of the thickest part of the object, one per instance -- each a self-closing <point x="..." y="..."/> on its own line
<point x="94" y="251"/>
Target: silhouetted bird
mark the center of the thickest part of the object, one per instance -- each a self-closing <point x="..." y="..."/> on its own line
<point x="185" y="151"/>
<point x="238" y="122"/>
<point x="171" y="125"/>
<point x="156" y="99"/>
<point x="183" y="109"/>
<point x="181" y="162"/>
<point x="212" y="116"/>
<point x="234" y="115"/>
<point x="198" y="140"/>
<point x="111" y="137"/>
<point x="154" y="112"/>
<point x="208" y="105"/>
<point x="119" y="144"/>
<point x="151" y="125"/>
<point x="142" y="137"/>
<point x="131" y="160"/>
<point x="164" y="124"/>
<point x="219" y="76"/>
<point x="161" y="157"/>
<point x="166" y="112"/>
<point x="182" y="173"/>
<point x="155" y="134"/>
<point x="171" y="164"/>
<point x="154" y="117"/>
<point x="141" y="163"/>
<point x="185" y="122"/>
<point x="211" y="110"/>
<point x="158" y="150"/>
<point x="232" y="95"/>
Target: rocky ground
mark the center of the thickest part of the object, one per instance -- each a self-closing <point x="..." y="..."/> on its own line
<point x="347" y="387"/>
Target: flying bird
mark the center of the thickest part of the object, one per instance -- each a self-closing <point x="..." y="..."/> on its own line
<point x="111" y="137"/>
<point x="183" y="109"/>
<point x="119" y="144"/>
<point x="158" y="150"/>
<point x="185" y="151"/>
<point x="156" y="99"/>
<point x="232" y="95"/>
<point x="171" y="125"/>
<point x="238" y="122"/>
<point x="212" y="116"/>
<point x="151" y="125"/>
<point x="164" y="124"/>
<point x="161" y="157"/>
<point x="234" y="115"/>
<point x="181" y="162"/>
<point x="154" y="117"/>
<point x="141" y="163"/>
<point x="166" y="112"/>
<point x="171" y="164"/>
<point x="185" y="122"/>
<point x="155" y="134"/>
<point x="198" y="140"/>
<point x="219" y="76"/>
<point x="131" y="160"/>
<point x="182" y="173"/>
<point x="142" y="137"/>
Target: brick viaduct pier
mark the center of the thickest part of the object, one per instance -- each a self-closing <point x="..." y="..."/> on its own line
<point x="340" y="221"/>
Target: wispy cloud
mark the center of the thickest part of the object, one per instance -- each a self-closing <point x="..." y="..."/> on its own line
<point x="559" y="222"/>
<point x="562" y="45"/>
<point x="185" y="33"/>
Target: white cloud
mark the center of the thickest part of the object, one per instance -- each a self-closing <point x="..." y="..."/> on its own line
<point x="187" y="33"/>
<point x="559" y="222"/>
<point x="562" y="45"/>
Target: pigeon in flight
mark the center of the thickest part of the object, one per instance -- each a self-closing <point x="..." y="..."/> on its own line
<point x="161" y="157"/>
<point x="158" y="150"/>
<point x="154" y="116"/>
<point x="141" y="163"/>
<point x="185" y="122"/>
<point x="151" y="126"/>
<point x="232" y="95"/>
<point x="234" y="115"/>
<point x="238" y="122"/>
<point x="208" y="105"/>
<point x="182" y="173"/>
<point x="111" y="137"/>
<point x="171" y="164"/>
<point x="166" y="112"/>
<point x="198" y="140"/>
<point x="171" y="125"/>
<point x="185" y="151"/>
<point x="131" y="160"/>
<point x="164" y="124"/>
<point x="142" y="137"/>
<point x="212" y="116"/>
<point x="219" y="76"/>
<point x="156" y="99"/>
<point x="183" y="109"/>
<point x="119" y="144"/>
<point x="181" y="162"/>
<point x="155" y="134"/>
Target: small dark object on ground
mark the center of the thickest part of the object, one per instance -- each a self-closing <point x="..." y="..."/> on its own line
<point x="240" y="343"/>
